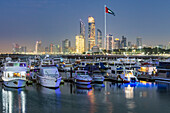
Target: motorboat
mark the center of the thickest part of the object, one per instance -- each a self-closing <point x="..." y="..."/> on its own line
<point x="67" y="67"/>
<point x="82" y="77"/>
<point x="97" y="76"/>
<point x="14" y="73"/>
<point x="163" y="71"/>
<point x="127" y="76"/>
<point x="33" y="63"/>
<point x="49" y="77"/>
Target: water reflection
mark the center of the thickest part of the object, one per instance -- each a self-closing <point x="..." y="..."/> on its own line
<point x="83" y="89"/>
<point x="14" y="100"/>
<point x="129" y="93"/>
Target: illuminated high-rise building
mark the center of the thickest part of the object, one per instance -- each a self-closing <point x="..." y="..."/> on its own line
<point x="91" y="32"/>
<point x="109" y="42"/>
<point x="116" y="43"/>
<point x="38" y="47"/>
<point x="99" y="38"/>
<point x="139" y="42"/>
<point x="82" y="32"/>
<point x="66" y="44"/>
<point x="80" y="44"/>
<point x="51" y="48"/>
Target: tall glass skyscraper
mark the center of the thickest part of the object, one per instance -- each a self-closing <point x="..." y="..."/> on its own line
<point x="99" y="38"/>
<point x="82" y="32"/>
<point x="123" y="42"/>
<point x="38" y="47"/>
<point x="91" y="32"/>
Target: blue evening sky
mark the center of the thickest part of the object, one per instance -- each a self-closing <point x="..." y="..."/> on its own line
<point x="51" y="21"/>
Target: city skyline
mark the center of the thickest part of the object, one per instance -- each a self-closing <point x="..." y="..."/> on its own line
<point x="25" y="22"/>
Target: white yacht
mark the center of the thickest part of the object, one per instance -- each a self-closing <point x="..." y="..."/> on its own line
<point x="47" y="61"/>
<point x="127" y="76"/>
<point x="97" y="76"/>
<point x="82" y="77"/>
<point x="14" y="73"/>
<point x="49" y="77"/>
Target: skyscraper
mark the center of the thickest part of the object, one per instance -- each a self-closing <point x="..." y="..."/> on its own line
<point x="80" y="44"/>
<point x="139" y="42"/>
<point x="91" y="32"/>
<point x="99" y="38"/>
<point x="38" y="47"/>
<point x="82" y="32"/>
<point x="116" y="43"/>
<point x="123" y="42"/>
<point x="109" y="42"/>
<point x="66" y="44"/>
<point x="51" y="48"/>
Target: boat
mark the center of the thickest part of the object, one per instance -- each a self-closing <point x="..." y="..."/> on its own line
<point x="128" y="77"/>
<point x="33" y="63"/>
<point x="97" y="76"/>
<point x="163" y="72"/>
<point x="82" y="77"/>
<point x="49" y="77"/>
<point x="14" y="73"/>
<point x="67" y="67"/>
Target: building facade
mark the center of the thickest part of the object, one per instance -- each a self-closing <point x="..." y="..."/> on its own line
<point x="99" y="38"/>
<point x="66" y="44"/>
<point x="80" y="44"/>
<point x="116" y="43"/>
<point x="123" y="42"/>
<point x="91" y="32"/>
<point x="109" y="42"/>
<point x="38" y="47"/>
<point x="82" y="32"/>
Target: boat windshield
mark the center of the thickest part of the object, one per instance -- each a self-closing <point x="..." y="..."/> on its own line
<point x="16" y="64"/>
<point x="51" y="72"/>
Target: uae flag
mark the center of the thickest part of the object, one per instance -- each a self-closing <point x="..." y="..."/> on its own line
<point x="107" y="10"/>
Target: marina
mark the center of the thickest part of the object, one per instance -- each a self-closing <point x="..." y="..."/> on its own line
<point x="119" y="85"/>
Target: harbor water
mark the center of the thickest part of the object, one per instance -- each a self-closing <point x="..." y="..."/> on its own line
<point x="142" y="97"/>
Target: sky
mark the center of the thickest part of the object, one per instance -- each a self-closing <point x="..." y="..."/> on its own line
<point x="51" y="21"/>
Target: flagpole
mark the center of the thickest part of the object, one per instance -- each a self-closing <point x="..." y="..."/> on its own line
<point x="105" y="27"/>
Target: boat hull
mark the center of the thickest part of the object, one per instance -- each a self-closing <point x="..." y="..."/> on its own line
<point x="98" y="80"/>
<point x="16" y="83"/>
<point x="50" y="83"/>
<point x="85" y="82"/>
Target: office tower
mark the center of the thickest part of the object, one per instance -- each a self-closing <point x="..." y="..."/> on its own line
<point x="79" y="44"/>
<point x="38" y="47"/>
<point x="123" y="42"/>
<point x="116" y="43"/>
<point x="99" y="38"/>
<point x="66" y="44"/>
<point x="82" y="32"/>
<point x="109" y="42"/>
<point x="129" y="44"/>
<point x="139" y="42"/>
<point x="91" y="32"/>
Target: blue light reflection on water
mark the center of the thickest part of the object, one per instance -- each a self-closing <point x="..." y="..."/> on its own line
<point x="107" y="97"/>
